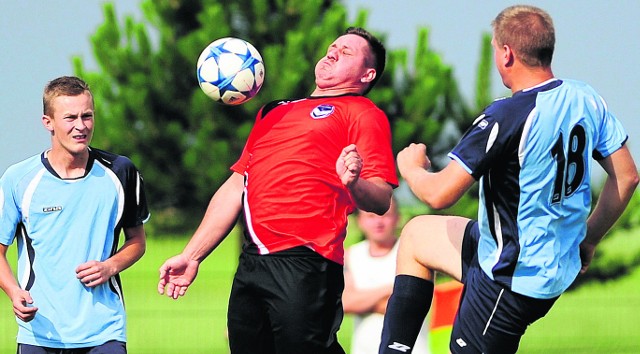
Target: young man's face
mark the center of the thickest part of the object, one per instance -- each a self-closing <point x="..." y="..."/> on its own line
<point x="379" y="228"/>
<point x="345" y="64"/>
<point x="71" y="123"/>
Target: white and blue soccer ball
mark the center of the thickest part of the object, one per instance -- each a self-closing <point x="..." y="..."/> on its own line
<point x="230" y="71"/>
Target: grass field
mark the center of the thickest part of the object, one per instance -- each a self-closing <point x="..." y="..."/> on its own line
<point x="597" y="318"/>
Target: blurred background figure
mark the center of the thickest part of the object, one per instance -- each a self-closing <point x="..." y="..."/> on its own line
<point x="369" y="271"/>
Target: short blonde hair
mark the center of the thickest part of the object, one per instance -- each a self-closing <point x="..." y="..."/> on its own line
<point x="529" y="31"/>
<point x="62" y="86"/>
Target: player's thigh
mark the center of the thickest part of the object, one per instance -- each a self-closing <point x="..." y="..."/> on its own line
<point x="110" y="347"/>
<point x="32" y="349"/>
<point x="491" y="318"/>
<point x="306" y="316"/>
<point x="247" y="320"/>
<point x="433" y="242"/>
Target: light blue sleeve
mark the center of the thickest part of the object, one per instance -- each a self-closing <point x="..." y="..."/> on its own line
<point x="612" y="134"/>
<point x="9" y="213"/>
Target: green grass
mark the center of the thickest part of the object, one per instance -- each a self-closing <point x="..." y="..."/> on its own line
<point x="596" y="318"/>
<point x="158" y="324"/>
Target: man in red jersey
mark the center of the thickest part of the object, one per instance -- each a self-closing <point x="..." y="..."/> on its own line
<point x="306" y="165"/>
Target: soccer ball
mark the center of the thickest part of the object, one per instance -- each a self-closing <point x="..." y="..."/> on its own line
<point x="230" y="71"/>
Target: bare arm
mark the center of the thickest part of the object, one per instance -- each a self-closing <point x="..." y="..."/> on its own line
<point x="619" y="186"/>
<point x="94" y="273"/>
<point x="373" y="194"/>
<point x="19" y="298"/>
<point x="440" y="189"/>
<point x="219" y="219"/>
<point x="178" y="272"/>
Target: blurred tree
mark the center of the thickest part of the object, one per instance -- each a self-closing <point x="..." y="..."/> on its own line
<point x="149" y="105"/>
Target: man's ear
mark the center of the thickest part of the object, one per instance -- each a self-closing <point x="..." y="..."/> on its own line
<point x="509" y="56"/>
<point x="368" y="76"/>
<point x="47" y="121"/>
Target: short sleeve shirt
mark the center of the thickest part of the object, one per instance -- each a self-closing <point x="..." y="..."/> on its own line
<point x="60" y="224"/>
<point x="293" y="195"/>
<point x="533" y="154"/>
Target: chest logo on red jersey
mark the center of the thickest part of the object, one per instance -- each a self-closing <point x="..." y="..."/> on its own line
<point x="322" y="111"/>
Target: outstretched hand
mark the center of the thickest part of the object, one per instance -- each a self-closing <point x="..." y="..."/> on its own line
<point x="349" y="165"/>
<point x="176" y="274"/>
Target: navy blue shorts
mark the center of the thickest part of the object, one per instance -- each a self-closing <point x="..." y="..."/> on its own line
<point x="110" y="347"/>
<point x="288" y="302"/>
<point x="491" y="318"/>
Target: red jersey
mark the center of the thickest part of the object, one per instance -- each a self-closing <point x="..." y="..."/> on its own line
<point x="293" y="195"/>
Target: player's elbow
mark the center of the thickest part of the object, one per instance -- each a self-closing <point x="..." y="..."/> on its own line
<point x="633" y="181"/>
<point x="380" y="209"/>
<point x="627" y="184"/>
<point x="438" y="204"/>
<point x="440" y="200"/>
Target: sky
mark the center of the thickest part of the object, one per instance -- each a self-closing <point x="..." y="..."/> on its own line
<point x="596" y="42"/>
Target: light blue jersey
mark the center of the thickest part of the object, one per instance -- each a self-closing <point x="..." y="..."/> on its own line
<point x="60" y="224"/>
<point x="533" y="154"/>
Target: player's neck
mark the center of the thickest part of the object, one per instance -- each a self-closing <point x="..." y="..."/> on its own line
<point x="68" y="165"/>
<point x="381" y="248"/>
<point x="530" y="78"/>
<point x="336" y="91"/>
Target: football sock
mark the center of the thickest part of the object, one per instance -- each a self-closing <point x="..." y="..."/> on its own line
<point x="406" y="311"/>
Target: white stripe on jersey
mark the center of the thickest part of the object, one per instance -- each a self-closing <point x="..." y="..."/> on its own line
<point x="261" y="247"/>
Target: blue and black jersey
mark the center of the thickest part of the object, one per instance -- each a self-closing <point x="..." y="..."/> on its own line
<point x="60" y="224"/>
<point x="533" y="154"/>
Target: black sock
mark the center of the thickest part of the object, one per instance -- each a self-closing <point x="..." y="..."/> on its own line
<point x="406" y="311"/>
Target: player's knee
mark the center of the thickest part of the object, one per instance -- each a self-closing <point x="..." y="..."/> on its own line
<point x="411" y="238"/>
<point x="414" y="231"/>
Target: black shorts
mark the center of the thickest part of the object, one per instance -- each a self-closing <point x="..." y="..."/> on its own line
<point x="286" y="303"/>
<point x="491" y="318"/>
<point x="110" y="347"/>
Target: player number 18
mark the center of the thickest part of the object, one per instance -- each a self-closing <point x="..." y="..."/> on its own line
<point x="570" y="170"/>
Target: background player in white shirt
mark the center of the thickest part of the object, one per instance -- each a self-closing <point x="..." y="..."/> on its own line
<point x="370" y="268"/>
